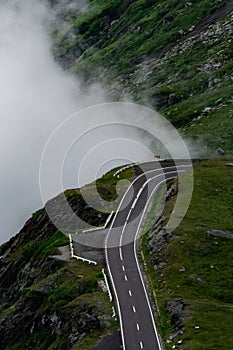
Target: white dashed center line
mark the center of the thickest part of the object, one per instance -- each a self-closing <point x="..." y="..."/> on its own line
<point x="141" y="345"/>
<point x="138" y="327"/>
<point x="134" y="308"/>
<point x="130" y="293"/>
<point x="126" y="279"/>
<point x="123" y="268"/>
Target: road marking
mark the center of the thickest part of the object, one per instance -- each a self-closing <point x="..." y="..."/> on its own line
<point x="141" y="345"/>
<point x="134" y="308"/>
<point x="140" y="191"/>
<point x="134" y="203"/>
<point x="120" y="251"/>
<point x="136" y="258"/>
<point x="123" y="268"/>
<point x="138" y="328"/>
<point x="130" y="293"/>
<point x="126" y="279"/>
<point x="106" y="246"/>
<point x="128" y="215"/>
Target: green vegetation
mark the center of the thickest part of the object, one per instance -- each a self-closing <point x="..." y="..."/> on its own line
<point x="139" y="28"/>
<point x="105" y="191"/>
<point x="205" y="284"/>
<point x="108" y="184"/>
<point x="66" y="284"/>
<point x="46" y="302"/>
<point x="42" y="249"/>
<point x="71" y="293"/>
<point x="145" y="47"/>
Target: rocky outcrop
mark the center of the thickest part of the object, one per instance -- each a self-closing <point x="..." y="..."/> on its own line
<point x="159" y="237"/>
<point x="175" y="309"/>
<point x="158" y="240"/>
<point x="62" y="328"/>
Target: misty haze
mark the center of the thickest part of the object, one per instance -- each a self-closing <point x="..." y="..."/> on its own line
<point x="36" y="96"/>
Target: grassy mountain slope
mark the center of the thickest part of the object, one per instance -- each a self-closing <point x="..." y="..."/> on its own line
<point x="175" y="56"/>
<point x="46" y="302"/>
<point x="193" y="275"/>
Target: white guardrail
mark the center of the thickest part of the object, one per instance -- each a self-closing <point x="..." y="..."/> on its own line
<point x="107" y="285"/>
<point x="72" y="255"/>
<point x="124" y="168"/>
<point x="132" y="165"/>
<point x="95" y="263"/>
<point x="99" y="228"/>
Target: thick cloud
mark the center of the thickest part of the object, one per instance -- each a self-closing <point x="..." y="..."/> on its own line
<point x="35" y="96"/>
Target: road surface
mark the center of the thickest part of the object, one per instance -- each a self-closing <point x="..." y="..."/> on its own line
<point x="138" y="328"/>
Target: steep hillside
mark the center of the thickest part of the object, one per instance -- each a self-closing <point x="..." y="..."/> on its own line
<point x="175" y="56"/>
<point x="191" y="269"/>
<point x="49" y="302"/>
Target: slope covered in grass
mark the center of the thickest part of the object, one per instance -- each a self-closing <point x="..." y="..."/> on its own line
<point x="175" y="56"/>
<point x="196" y="268"/>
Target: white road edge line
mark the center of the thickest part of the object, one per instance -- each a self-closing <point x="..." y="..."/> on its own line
<point x="136" y="258"/>
<point x="120" y="253"/>
<point x="135" y="201"/>
<point x="128" y="215"/>
<point x="106" y="249"/>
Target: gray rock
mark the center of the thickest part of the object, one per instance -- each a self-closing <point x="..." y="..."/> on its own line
<point x="207" y="110"/>
<point x="220" y="151"/>
<point x="175" y="308"/>
<point x="219" y="233"/>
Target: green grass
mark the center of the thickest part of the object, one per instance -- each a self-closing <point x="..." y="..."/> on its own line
<point x="210" y="303"/>
<point x="123" y="41"/>
<point x="41" y="337"/>
<point x="66" y="284"/>
<point x="159" y="24"/>
<point x="72" y="288"/>
<point x="92" y="338"/>
<point x="108" y="185"/>
<point x="42" y="249"/>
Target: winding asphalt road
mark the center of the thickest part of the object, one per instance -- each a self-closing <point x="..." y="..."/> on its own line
<point x="138" y="328"/>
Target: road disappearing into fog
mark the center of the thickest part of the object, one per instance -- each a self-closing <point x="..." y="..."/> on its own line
<point x="138" y="328"/>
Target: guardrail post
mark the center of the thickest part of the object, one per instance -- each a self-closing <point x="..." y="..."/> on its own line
<point x="107" y="285"/>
